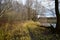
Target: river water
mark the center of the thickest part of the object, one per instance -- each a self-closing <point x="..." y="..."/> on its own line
<point x="48" y="24"/>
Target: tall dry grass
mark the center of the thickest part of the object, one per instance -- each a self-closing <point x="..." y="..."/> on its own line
<point x="17" y="30"/>
<point x="28" y="30"/>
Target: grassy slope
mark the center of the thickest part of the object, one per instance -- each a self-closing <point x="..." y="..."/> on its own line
<point x="28" y="30"/>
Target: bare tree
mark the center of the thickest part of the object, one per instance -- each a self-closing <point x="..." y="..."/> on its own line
<point x="58" y="16"/>
<point x="5" y="7"/>
<point x="29" y="4"/>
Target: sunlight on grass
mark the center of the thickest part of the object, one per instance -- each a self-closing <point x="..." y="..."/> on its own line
<point x="31" y="24"/>
<point x="18" y="30"/>
<point x="23" y="31"/>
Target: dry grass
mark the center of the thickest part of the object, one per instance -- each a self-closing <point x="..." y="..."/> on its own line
<point x="19" y="31"/>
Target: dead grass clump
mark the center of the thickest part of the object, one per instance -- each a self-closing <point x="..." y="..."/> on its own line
<point x="14" y="32"/>
<point x="31" y="24"/>
<point x="20" y="31"/>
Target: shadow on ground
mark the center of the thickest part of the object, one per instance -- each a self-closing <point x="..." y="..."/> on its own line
<point x="40" y="34"/>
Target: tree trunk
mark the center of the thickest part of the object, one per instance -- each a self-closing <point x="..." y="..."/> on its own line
<point x="57" y="16"/>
